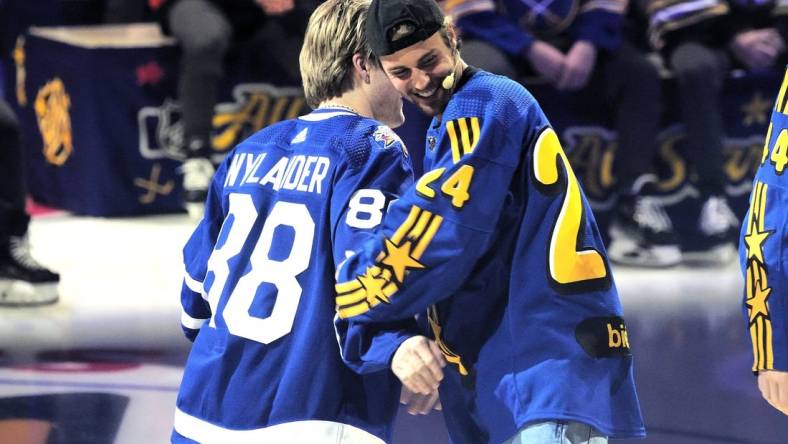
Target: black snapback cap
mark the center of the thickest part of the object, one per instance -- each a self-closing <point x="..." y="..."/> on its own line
<point x="396" y="24"/>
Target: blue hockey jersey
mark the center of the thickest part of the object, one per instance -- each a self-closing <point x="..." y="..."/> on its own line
<point x="258" y="298"/>
<point x="497" y="239"/>
<point x="762" y="247"/>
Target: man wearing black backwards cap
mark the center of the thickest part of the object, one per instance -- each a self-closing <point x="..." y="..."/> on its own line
<point x="498" y="244"/>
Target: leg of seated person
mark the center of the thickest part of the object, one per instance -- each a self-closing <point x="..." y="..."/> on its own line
<point x="700" y="73"/>
<point x="632" y="86"/>
<point x="23" y="281"/>
<point x="12" y="183"/>
<point x="204" y="34"/>
<point x="642" y="232"/>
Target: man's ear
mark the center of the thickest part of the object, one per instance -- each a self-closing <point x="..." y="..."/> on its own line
<point x="361" y="67"/>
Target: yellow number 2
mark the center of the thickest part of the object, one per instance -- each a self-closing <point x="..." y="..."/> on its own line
<point x="567" y="264"/>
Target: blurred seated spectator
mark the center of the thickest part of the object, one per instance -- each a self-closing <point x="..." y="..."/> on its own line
<point x="578" y="48"/>
<point x="23" y="281"/>
<point x="206" y="29"/>
<point x="126" y="11"/>
<point x="700" y="43"/>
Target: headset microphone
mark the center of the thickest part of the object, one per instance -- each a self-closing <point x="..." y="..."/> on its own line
<point x="448" y="81"/>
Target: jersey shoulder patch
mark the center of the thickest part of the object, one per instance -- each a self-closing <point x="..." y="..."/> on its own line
<point x="387" y="137"/>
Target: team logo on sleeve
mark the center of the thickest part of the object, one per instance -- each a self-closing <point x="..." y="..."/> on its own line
<point x="431" y="142"/>
<point x="388" y="137"/>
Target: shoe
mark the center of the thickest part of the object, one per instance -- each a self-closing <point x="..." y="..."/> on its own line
<point x="197" y="176"/>
<point x="717" y="221"/>
<point x="23" y="281"/>
<point x="719" y="230"/>
<point x="642" y="234"/>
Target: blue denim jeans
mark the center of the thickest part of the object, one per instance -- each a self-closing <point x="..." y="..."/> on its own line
<point x="557" y="432"/>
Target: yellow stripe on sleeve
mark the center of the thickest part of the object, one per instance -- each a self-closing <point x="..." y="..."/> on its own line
<point x="779" y="104"/>
<point x="455" y="146"/>
<point x="476" y="133"/>
<point x="425" y="240"/>
<point x="352" y="298"/>
<point x="767" y="337"/>
<point x="761" y="351"/>
<point x="754" y="340"/>
<point x="766" y="143"/>
<point x="465" y="136"/>
<point x="354" y="310"/>
<point x="762" y="207"/>
<point x="417" y="230"/>
<point x="406" y="226"/>
<point x="346" y="287"/>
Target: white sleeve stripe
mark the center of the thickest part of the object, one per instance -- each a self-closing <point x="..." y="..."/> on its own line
<point x="195" y="285"/>
<point x="190" y="322"/>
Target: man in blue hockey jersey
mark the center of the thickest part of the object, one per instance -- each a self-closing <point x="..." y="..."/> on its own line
<point x="761" y="248"/>
<point x="282" y="211"/>
<point x="497" y="242"/>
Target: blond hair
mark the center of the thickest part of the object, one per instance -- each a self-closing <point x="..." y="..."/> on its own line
<point x="334" y="34"/>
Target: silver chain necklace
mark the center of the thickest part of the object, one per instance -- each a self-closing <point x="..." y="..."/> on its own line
<point x="346" y="108"/>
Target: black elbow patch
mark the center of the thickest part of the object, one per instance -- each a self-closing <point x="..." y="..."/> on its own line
<point x="603" y="337"/>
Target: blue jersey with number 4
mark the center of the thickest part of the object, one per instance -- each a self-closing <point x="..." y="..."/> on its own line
<point x="282" y="211"/>
<point x="762" y="247"/>
<point x="498" y="243"/>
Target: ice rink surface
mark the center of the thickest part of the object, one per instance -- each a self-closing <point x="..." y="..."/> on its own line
<point x="104" y="364"/>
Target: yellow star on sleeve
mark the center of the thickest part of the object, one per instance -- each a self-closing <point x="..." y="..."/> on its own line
<point x="754" y="241"/>
<point x="399" y="259"/>
<point x="373" y="286"/>
<point x="757" y="303"/>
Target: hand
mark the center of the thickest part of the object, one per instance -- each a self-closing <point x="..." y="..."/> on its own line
<point x="418" y="363"/>
<point x="757" y="49"/>
<point x="276" y="7"/>
<point x="420" y="404"/>
<point x="546" y="60"/>
<point x="578" y="65"/>
<point x="774" y="388"/>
